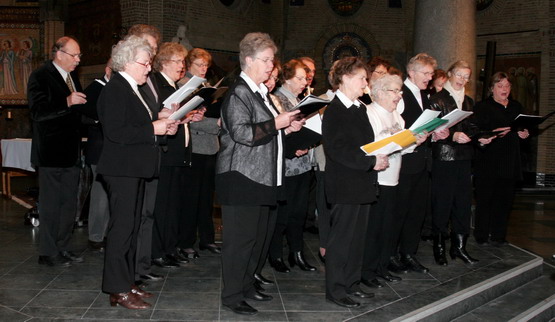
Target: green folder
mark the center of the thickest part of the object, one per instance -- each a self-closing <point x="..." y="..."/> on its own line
<point x="430" y="126"/>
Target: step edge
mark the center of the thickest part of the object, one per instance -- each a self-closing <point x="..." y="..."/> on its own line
<point x="535" y="310"/>
<point x="444" y="303"/>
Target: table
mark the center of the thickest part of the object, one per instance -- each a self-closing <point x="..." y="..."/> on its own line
<point x="16" y="161"/>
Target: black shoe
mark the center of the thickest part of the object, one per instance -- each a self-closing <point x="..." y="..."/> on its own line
<point x="482" y="243"/>
<point x="188" y="253"/>
<point x="297" y="258"/>
<point x="140" y="283"/>
<point x="164" y="263"/>
<point x="257" y="296"/>
<point x="361" y="294"/>
<point x="176" y="259"/>
<point x="396" y="266"/>
<point x="279" y="265"/>
<point x="322" y="258"/>
<point x="152" y="277"/>
<point x="412" y="264"/>
<point x="313" y="230"/>
<point x="242" y="308"/>
<point x="258" y="287"/>
<point x="97" y="246"/>
<point x="373" y="283"/>
<point x="458" y="249"/>
<point x="54" y="261"/>
<point x="426" y="238"/>
<point x="211" y="248"/>
<point x="439" y="250"/>
<point x="390" y="278"/>
<point x="180" y="259"/>
<point x="71" y="256"/>
<point x="262" y="280"/>
<point x="344" y="302"/>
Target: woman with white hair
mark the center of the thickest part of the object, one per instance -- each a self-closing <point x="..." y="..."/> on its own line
<point x="130" y="156"/>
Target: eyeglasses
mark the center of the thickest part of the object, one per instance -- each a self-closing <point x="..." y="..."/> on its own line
<point x="145" y="65"/>
<point x="201" y="65"/>
<point x="300" y="78"/>
<point x="177" y="61"/>
<point x="427" y="74"/>
<point x="379" y="73"/>
<point x="72" y="55"/>
<point x="463" y="77"/>
<point x="265" y="60"/>
<point x="396" y="91"/>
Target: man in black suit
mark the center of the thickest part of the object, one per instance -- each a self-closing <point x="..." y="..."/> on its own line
<point x="54" y="93"/>
<point x="99" y="212"/>
<point x="414" y="178"/>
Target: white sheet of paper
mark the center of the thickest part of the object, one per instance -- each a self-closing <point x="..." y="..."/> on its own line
<point x="454" y="117"/>
<point x="424" y="118"/>
<point x="189" y="106"/>
<point x="184" y="91"/>
<point x="314" y="123"/>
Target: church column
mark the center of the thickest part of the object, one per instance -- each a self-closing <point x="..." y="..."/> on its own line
<point x="447" y="31"/>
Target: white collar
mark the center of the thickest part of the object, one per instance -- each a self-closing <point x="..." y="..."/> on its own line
<point x="262" y="89"/>
<point x="345" y="100"/>
<point x="414" y="89"/>
<point x="130" y="80"/>
<point x="169" y="80"/>
<point x="61" y="70"/>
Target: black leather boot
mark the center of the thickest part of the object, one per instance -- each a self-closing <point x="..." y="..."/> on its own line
<point x="458" y="249"/>
<point x="439" y="249"/>
<point x="279" y="265"/>
<point x="297" y="258"/>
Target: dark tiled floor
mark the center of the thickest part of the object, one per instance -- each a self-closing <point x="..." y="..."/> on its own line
<point x="32" y="292"/>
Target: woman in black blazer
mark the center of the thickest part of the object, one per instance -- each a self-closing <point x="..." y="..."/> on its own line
<point x="350" y="180"/>
<point x="130" y="155"/>
<point x="497" y="167"/>
<point x="249" y="170"/>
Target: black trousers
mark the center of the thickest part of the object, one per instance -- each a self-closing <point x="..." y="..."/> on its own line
<point x="345" y="248"/>
<point x="245" y="230"/>
<point x="144" y="239"/>
<point x="379" y="242"/>
<point x="57" y="208"/>
<point x="199" y="199"/>
<point x="451" y="196"/>
<point x="272" y="216"/>
<point x="168" y="210"/>
<point x="126" y="202"/>
<point x="324" y="216"/>
<point x="291" y="215"/>
<point x="413" y="199"/>
<point x="494" y="201"/>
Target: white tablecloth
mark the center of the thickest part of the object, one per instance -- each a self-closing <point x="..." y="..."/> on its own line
<point x="16" y="153"/>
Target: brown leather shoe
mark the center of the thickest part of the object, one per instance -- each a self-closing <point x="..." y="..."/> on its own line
<point x="128" y="300"/>
<point x="140" y="292"/>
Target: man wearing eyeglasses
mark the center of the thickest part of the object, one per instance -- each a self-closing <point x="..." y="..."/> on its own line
<point x="54" y="93"/>
<point x="414" y="177"/>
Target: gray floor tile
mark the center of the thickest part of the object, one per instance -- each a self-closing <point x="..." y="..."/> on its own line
<point x="71" y="281"/>
<point x="188" y="301"/>
<point x="226" y="315"/>
<point x="62" y="298"/>
<point x="185" y="315"/>
<point x="17" y="298"/>
<point x="184" y="284"/>
<point x="309" y="302"/>
<point x="9" y="314"/>
<point x="319" y="316"/>
<point x="56" y="312"/>
<point x="25" y="281"/>
<point x="117" y="313"/>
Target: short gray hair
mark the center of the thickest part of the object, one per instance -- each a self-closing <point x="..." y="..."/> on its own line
<point x="383" y="83"/>
<point x="126" y="51"/>
<point x="421" y="60"/>
<point x="252" y="44"/>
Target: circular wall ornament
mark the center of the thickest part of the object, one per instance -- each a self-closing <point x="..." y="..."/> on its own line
<point x="345" y="7"/>
<point x="344" y="45"/>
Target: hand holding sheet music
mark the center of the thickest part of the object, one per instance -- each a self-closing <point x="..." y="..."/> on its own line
<point x="183" y="92"/>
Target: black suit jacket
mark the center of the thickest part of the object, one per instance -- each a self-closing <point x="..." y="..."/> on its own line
<point x="175" y="153"/>
<point x="95" y="138"/>
<point x="350" y="178"/>
<point x="420" y="159"/>
<point x="56" y="137"/>
<point x="130" y="146"/>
